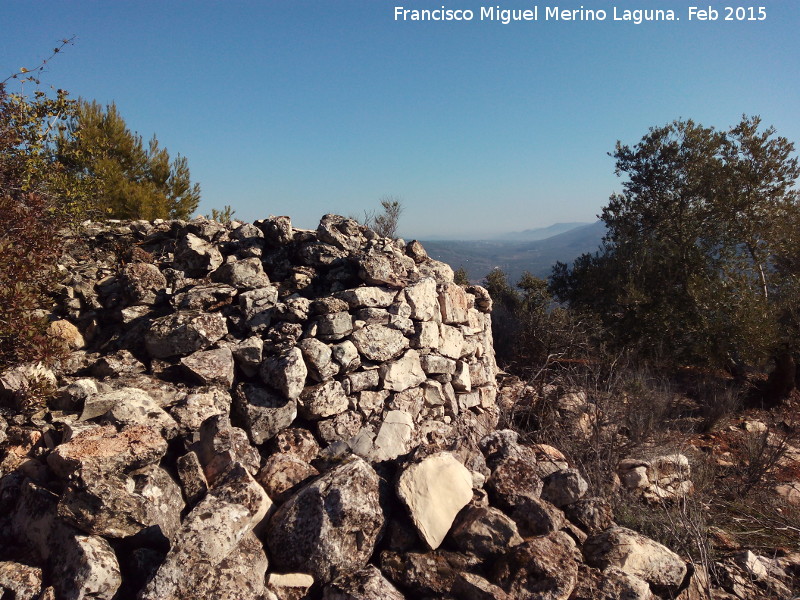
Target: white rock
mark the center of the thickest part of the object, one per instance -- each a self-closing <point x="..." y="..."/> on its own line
<point x="403" y="373"/>
<point x="423" y="299"/>
<point x="434" y="491"/>
<point x="394" y="436"/>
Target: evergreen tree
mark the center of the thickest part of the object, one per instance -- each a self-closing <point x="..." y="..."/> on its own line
<point x="134" y="181"/>
<point x="697" y="260"/>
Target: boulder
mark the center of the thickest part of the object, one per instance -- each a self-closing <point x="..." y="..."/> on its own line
<point x="379" y="343"/>
<point x="434" y="490"/>
<point x="330" y="526"/>
<point x="323" y="400"/>
<point x="563" y="487"/>
<point x="184" y="332"/>
<point x="286" y="373"/>
<point x="243" y="274"/>
<point x="484" y="531"/>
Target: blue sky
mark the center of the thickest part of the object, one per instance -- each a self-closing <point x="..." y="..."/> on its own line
<point x="304" y="107"/>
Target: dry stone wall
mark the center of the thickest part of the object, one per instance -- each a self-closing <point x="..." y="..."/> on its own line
<point x="255" y="411"/>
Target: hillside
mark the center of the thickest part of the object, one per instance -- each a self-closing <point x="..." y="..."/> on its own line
<point x="513" y="256"/>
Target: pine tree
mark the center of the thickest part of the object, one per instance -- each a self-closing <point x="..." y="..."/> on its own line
<point x="134" y="181"/>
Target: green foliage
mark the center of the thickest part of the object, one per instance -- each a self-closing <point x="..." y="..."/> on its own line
<point x="460" y="276"/>
<point x="385" y="222"/>
<point x="701" y="248"/>
<point x="224" y="216"/>
<point x="133" y="181"/>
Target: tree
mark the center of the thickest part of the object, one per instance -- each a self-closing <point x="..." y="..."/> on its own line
<point x="385" y="222"/>
<point x="134" y="181"/>
<point x="225" y="215"/>
<point x="696" y="263"/>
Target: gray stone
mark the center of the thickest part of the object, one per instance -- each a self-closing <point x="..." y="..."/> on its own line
<point x="318" y="357"/>
<point x="453" y="303"/>
<point x="211" y="367"/>
<point x="323" y="400"/>
<point x="363" y="380"/>
<point x="368" y="297"/>
<point x="346" y="354"/>
<point x="183" y="333"/>
<point x="204" y="297"/>
<point x="434" y="364"/>
<point x="196" y="256"/>
<point x="282" y="472"/>
<point x="199" y="406"/>
<point x="22" y="582"/>
<point x="330" y="526"/>
<point x="248" y="354"/>
<point x="402" y="373"/>
<point x="142" y="282"/>
<point x="394" y="437"/>
<point x="451" y="341"/>
<point x="221" y="445"/>
<point x="365" y="584"/>
<point x="242" y="274"/>
<point x="484" y="531"/>
<point x="563" y="487"/>
<point x="422" y="297"/>
<point x="264" y="414"/>
<point x="286" y="373"/>
<point x="379" y="343"/>
<point x="334" y="326"/>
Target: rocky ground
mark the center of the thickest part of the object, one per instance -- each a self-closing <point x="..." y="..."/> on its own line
<point x="258" y="411"/>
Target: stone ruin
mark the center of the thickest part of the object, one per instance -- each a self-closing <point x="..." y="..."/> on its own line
<point x="256" y="411"/>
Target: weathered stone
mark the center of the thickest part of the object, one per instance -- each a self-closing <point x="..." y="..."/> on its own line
<point x="277" y="230"/>
<point x="209" y="534"/>
<point x="221" y="445"/>
<point x="637" y="555"/>
<point x="240" y="575"/>
<point x="183" y="333"/>
<point x="593" y="515"/>
<point x="542" y="568"/>
<point x="368" y="297"/>
<point x="243" y="274"/>
<point x="434" y="490"/>
<point x="342" y="427"/>
<point x="204" y="297"/>
<point x="334" y="326"/>
<point x="469" y="586"/>
<point x="196" y="256"/>
<point x="453" y="303"/>
<point x="379" y="343"/>
<point x="394" y="437"/>
<point x="193" y="480"/>
<point x="248" y="354"/>
<point x="318" y="357"/>
<point x="286" y="373"/>
<point x="281" y="473"/>
<point x="199" y="406"/>
<point x="142" y="282"/>
<point x="461" y="380"/>
<point x="330" y="526"/>
<point x="512" y="481"/>
<point x="535" y="516"/>
<point x="451" y="341"/>
<point x="484" y="531"/>
<point x="563" y="487"/>
<point x="403" y="373"/>
<point x="346" y="354"/>
<point x="87" y="568"/>
<point x="258" y="301"/>
<point x="130" y="406"/>
<point x="433" y="364"/>
<point x="363" y="380"/>
<point x="105" y="449"/>
<point x="69" y="335"/>
<point x="379" y="269"/>
<point x="211" y="367"/>
<point x="365" y="584"/>
<point x="428" y="575"/>
<point x="296" y="441"/>
<point x="22" y="582"/>
<point x="264" y="414"/>
<point x="423" y="299"/>
<point x="341" y="232"/>
<point x="323" y="400"/>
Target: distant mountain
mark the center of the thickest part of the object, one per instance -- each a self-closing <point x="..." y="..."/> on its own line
<point x="514" y="257"/>
<point x="539" y="233"/>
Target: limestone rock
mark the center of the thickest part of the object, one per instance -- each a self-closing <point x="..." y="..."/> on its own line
<point x="368" y="297"/>
<point x="394" y="437"/>
<point x="403" y="373"/>
<point x="222" y="445"/>
<point x="453" y="303"/>
<point x="184" y="332"/>
<point x="264" y="413"/>
<point x="87" y="568"/>
<point x="379" y="343"/>
<point x="637" y="555"/>
<point x="318" y="357"/>
<point x="196" y="256"/>
<point x="286" y="373"/>
<point x="484" y="531"/>
<point x="142" y="282"/>
<point x="365" y="584"/>
<point x="67" y="333"/>
<point x="281" y="473"/>
<point x="330" y="526"/>
<point x="241" y="274"/>
<point x="211" y="367"/>
<point x="334" y="326"/>
<point x="512" y="481"/>
<point x="563" y="487"/>
<point x="323" y="400"/>
<point x="423" y="299"/>
<point x="434" y="490"/>
<point x="22" y="582"/>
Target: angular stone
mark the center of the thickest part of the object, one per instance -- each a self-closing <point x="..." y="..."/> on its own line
<point x="69" y="335"/>
<point x="22" y="582"/>
<point x="264" y="414"/>
<point x="365" y="584"/>
<point x="334" y="326"/>
<point x="542" y="568"/>
<point x="281" y="473"/>
<point x="363" y="380"/>
<point x="394" y="437"/>
<point x="341" y="232"/>
<point x="258" y="301"/>
<point x="484" y="531"/>
<point x="426" y="575"/>
<point x="453" y="303"/>
<point x="299" y="442"/>
<point x="323" y="400"/>
<point x="196" y="256"/>
<point x="636" y="555"/>
<point x="199" y="406"/>
<point x="142" y="282"/>
<point x="434" y="364"/>
<point x="461" y="380"/>
<point x="248" y="354"/>
<point x="131" y="406"/>
<point x="422" y="297"/>
<point x="379" y="343"/>
<point x="451" y="341"/>
<point x="209" y="534"/>
<point x="403" y="373"/>
<point x="193" y="480"/>
<point x="426" y="335"/>
<point x="434" y="490"/>
<point x="221" y="445"/>
<point x="563" y="487"/>
<point x="469" y="586"/>
<point x="286" y="373"/>
<point x="346" y="354"/>
<point x="243" y="274"/>
<point x="204" y="297"/>
<point x="512" y="481"/>
<point x="183" y="333"/>
<point x="240" y="575"/>
<point x="340" y="428"/>
<point x="368" y="297"/>
<point x="87" y="568"/>
<point x="535" y="516"/>
<point x="318" y="357"/>
<point x="330" y="526"/>
<point x="593" y="515"/>
<point x="105" y="449"/>
<point x="211" y="367"/>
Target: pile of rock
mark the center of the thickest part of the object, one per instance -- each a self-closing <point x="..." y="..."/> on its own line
<point x="257" y="411"/>
<point x="661" y="478"/>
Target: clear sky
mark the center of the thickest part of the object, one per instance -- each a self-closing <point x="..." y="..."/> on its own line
<point x="302" y="107"/>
